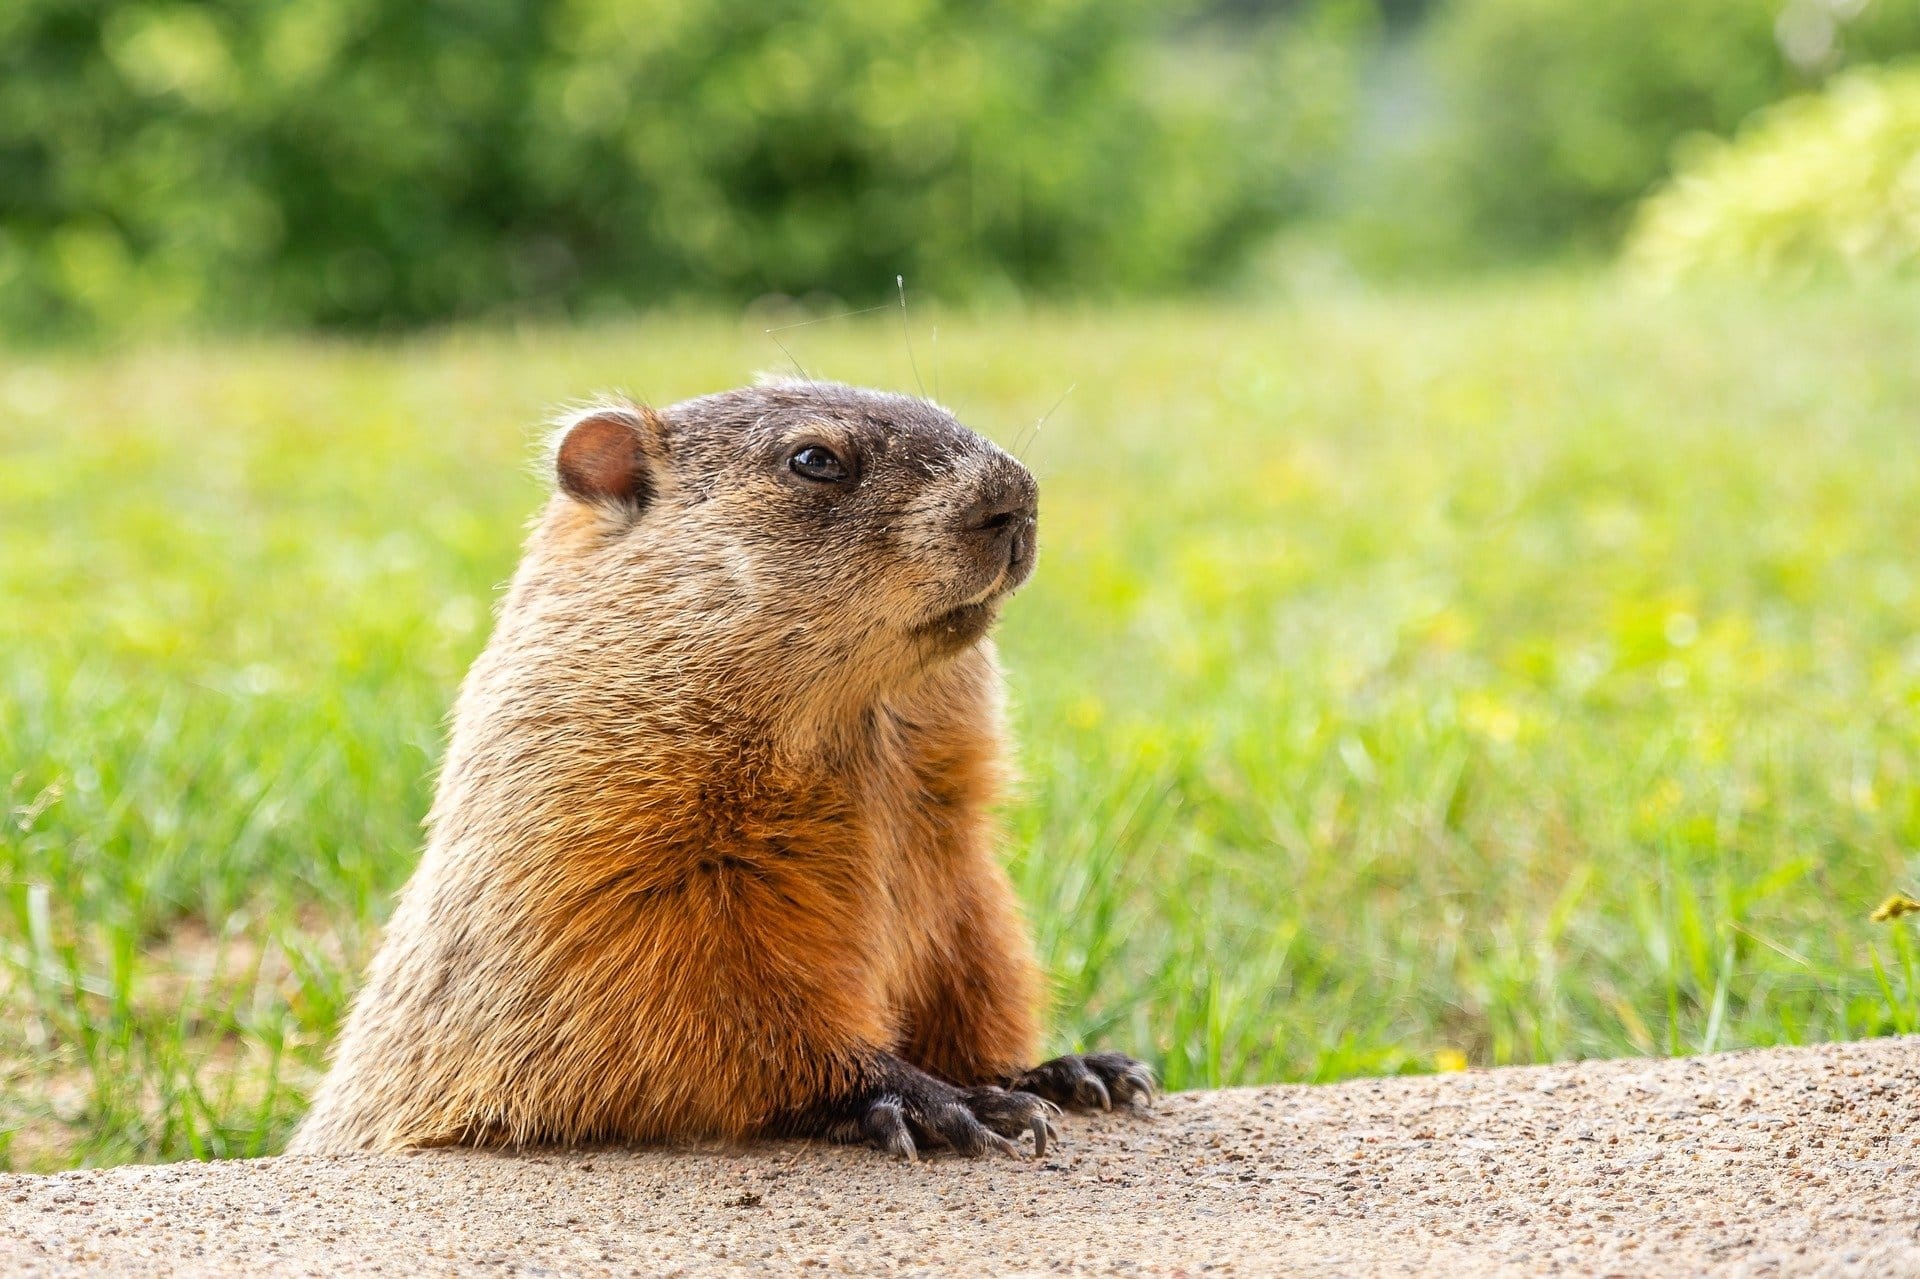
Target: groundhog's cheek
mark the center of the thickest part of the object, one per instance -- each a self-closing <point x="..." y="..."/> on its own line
<point x="901" y="600"/>
<point x="938" y="582"/>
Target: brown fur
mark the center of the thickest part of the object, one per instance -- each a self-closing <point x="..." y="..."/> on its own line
<point x="712" y="835"/>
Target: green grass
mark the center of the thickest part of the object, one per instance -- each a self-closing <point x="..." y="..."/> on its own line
<point x="1505" y="676"/>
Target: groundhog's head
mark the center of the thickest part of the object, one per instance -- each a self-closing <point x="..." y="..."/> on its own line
<point x="795" y="517"/>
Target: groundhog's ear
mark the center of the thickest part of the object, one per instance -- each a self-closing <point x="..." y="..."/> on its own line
<point x="602" y="455"/>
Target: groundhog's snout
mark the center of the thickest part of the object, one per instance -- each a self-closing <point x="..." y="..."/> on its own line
<point x="1004" y="518"/>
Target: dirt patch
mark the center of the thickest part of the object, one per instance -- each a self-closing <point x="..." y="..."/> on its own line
<point x="1786" y="1161"/>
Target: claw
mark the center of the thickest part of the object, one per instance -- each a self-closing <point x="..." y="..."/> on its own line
<point x="1136" y="1087"/>
<point x="887" y="1129"/>
<point x="1093" y="1082"/>
<point x="1042" y="1130"/>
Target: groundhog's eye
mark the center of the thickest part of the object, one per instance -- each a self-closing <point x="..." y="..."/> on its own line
<point x="817" y="462"/>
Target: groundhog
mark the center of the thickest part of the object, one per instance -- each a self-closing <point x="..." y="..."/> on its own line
<point x="711" y="854"/>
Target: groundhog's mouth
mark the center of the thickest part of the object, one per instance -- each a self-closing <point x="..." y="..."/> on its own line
<point x="970" y="619"/>
<point x="961" y="625"/>
<point x="986" y="593"/>
<point x="977" y="610"/>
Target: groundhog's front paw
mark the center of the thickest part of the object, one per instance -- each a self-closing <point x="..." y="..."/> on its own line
<point x="1014" y="1114"/>
<point x="970" y="1121"/>
<point x="902" y="1109"/>
<point x="1092" y="1082"/>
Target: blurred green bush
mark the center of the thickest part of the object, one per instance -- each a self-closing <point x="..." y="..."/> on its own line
<point x="1554" y="117"/>
<point x="1824" y="184"/>
<point x="361" y="163"/>
<point x="351" y="162"/>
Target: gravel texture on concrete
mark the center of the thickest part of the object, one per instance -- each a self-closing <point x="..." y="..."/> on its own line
<point x="1785" y="1161"/>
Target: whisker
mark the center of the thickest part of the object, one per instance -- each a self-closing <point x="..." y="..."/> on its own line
<point x="1020" y="450"/>
<point x="900" y="283"/>
<point x="822" y="319"/>
<point x="774" y="332"/>
<point x="775" y="335"/>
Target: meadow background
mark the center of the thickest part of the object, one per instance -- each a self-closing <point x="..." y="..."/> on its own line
<point x="1477" y="619"/>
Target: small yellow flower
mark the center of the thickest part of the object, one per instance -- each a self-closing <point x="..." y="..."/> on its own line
<point x="1086" y="713"/>
<point x="1895" y="906"/>
<point x="1450" y="1061"/>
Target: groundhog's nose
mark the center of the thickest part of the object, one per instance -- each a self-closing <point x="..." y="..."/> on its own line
<point x="1003" y="517"/>
<point x="1007" y="507"/>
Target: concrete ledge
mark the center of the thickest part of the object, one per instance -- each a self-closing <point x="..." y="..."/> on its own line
<point x="1787" y="1161"/>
